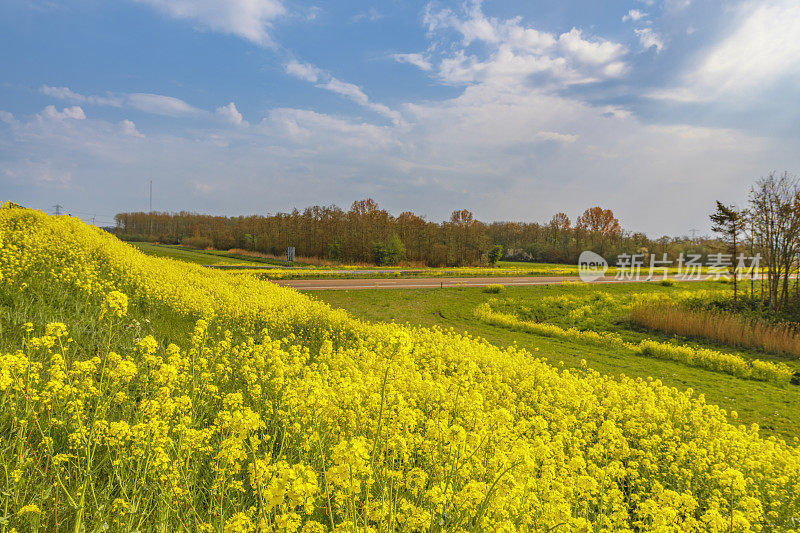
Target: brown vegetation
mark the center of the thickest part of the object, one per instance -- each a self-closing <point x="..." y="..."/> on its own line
<point x="730" y="329"/>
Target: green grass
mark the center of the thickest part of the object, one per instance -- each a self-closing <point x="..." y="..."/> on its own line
<point x="776" y="409"/>
<point x="81" y="316"/>
<point x="200" y="257"/>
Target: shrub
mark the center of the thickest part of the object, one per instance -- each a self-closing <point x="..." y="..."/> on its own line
<point x="389" y="253"/>
<point x="495" y="254"/>
<point x="667" y="282"/>
<point x="494" y="288"/>
<point x="335" y="251"/>
<point x="198" y="243"/>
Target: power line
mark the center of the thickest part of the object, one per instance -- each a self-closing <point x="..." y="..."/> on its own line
<point x="101" y="215"/>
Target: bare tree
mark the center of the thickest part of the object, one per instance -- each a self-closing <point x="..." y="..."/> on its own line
<point x="775" y="215"/>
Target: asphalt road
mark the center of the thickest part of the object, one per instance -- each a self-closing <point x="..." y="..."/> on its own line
<point x="436" y="283"/>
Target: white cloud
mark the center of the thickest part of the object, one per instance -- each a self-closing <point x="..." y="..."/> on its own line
<point x="324" y="80"/>
<point x="204" y="188"/>
<point x="475" y="26"/>
<point x="516" y="52"/>
<point x="418" y="60"/>
<point x="596" y="52"/>
<point x="74" y="112"/>
<point x="371" y="15"/>
<point x="249" y="19"/>
<point x="614" y="111"/>
<point x="315" y="130"/>
<point x="65" y="93"/>
<point x="555" y="136"/>
<point x="62" y="93"/>
<point x="309" y="13"/>
<point x="676" y="5"/>
<point x="506" y="147"/>
<point x="349" y="90"/>
<point x="676" y="94"/>
<point x="304" y="71"/>
<point x="230" y="114"/>
<point x="759" y="51"/>
<point x="650" y="39"/>
<point x="44" y="173"/>
<point x="505" y="152"/>
<point x="634" y="15"/>
<point x="356" y="94"/>
<point x="763" y="47"/>
<point x="129" y="128"/>
<point x="158" y="104"/>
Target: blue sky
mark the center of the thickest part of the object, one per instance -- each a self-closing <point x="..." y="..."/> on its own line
<point x="514" y="110"/>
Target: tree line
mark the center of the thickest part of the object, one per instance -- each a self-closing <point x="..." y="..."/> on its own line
<point x="368" y="234"/>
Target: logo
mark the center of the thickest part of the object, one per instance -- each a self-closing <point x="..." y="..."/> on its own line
<point x="591" y="266"/>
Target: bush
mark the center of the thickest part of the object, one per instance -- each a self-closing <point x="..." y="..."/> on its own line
<point x="494" y="288"/>
<point x="335" y="251"/>
<point x="667" y="283"/>
<point x="389" y="253"/>
<point x="495" y="254"/>
<point x="199" y="243"/>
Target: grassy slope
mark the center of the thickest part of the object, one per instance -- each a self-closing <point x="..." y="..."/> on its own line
<point x="81" y="316"/>
<point x="776" y="409"/>
<point x="199" y="257"/>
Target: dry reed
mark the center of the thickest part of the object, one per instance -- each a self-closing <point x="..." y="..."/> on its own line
<point x="726" y="328"/>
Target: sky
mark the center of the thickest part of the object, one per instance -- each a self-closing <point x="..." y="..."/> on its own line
<point x="514" y="110"/>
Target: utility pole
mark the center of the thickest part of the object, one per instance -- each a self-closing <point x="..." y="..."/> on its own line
<point x="58" y="207"/>
<point x="151" y="207"/>
<point x="694" y="234"/>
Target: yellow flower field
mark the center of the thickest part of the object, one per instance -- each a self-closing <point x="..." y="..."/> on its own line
<point x="276" y="413"/>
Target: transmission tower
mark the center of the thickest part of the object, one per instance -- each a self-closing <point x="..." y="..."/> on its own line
<point x="58" y="208"/>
